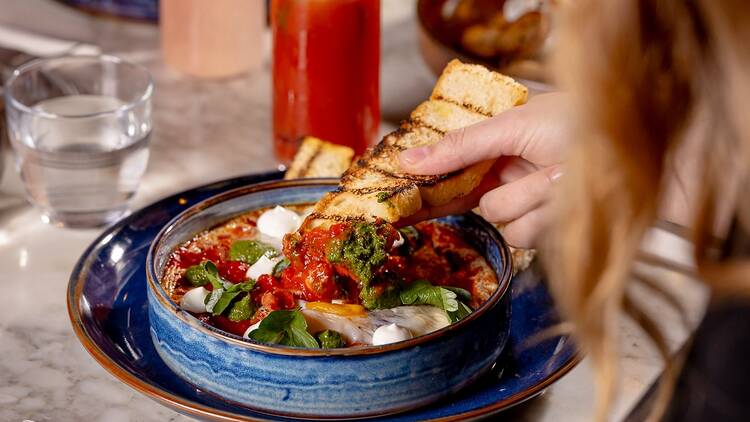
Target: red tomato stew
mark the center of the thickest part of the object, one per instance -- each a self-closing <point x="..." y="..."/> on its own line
<point x="344" y="285"/>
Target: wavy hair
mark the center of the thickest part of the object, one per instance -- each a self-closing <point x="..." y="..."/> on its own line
<point x="654" y="83"/>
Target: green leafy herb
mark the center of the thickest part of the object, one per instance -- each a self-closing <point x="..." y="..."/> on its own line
<point x="409" y="232"/>
<point x="242" y="287"/>
<point x="462" y="294"/>
<point x="330" y="339"/>
<point x="361" y="251"/>
<point x="462" y="312"/>
<point x="220" y="299"/>
<point x="242" y="309"/>
<point x="224" y="301"/>
<point x="381" y="296"/>
<point x="250" y="251"/>
<point x="280" y="266"/>
<point x="213" y="298"/>
<point x="383" y="196"/>
<point x="421" y="292"/>
<point x="286" y="327"/>
<point x="204" y="273"/>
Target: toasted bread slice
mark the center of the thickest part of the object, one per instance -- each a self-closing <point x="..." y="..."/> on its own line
<point x="443" y="116"/>
<point x="318" y="158"/>
<point x="476" y="87"/>
<point x="376" y="187"/>
<point x="367" y="193"/>
<point x="343" y="206"/>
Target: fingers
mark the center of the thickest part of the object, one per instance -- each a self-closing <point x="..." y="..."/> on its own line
<point x="457" y="206"/>
<point x="513" y="200"/>
<point x="524" y="232"/>
<point x="531" y="131"/>
<point x="509" y="168"/>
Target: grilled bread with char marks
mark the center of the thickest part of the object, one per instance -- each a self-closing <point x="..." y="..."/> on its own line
<point x="317" y="158"/>
<point x="375" y="187"/>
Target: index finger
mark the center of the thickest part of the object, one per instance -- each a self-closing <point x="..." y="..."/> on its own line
<point x="528" y="131"/>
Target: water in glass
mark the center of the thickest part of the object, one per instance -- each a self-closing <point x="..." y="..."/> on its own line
<point x="80" y="162"/>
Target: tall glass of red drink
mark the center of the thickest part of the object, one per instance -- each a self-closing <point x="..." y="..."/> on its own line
<point x="326" y="72"/>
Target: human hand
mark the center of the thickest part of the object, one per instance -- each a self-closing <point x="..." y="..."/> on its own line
<point x="529" y="143"/>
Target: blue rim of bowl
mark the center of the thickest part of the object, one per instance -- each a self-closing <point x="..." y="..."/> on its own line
<point x="153" y="280"/>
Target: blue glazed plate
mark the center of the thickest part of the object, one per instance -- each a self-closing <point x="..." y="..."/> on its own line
<point x="108" y="309"/>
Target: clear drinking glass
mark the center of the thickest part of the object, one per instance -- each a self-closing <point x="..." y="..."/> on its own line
<point x="80" y="128"/>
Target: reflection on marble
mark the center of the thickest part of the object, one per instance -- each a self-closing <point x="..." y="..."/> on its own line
<point x="205" y="131"/>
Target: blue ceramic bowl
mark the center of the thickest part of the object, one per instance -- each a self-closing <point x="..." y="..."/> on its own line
<point x="318" y="383"/>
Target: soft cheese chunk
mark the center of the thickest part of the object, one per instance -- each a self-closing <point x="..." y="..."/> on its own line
<point x="194" y="300"/>
<point x="264" y="265"/>
<point x="278" y="221"/>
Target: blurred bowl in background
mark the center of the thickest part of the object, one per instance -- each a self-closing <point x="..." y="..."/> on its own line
<point x="510" y="36"/>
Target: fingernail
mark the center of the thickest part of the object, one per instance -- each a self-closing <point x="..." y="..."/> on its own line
<point x="556" y="175"/>
<point x="414" y="155"/>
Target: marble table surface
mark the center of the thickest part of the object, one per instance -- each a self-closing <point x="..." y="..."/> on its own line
<point x="206" y="131"/>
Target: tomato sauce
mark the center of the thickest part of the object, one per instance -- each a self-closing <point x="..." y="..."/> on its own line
<point x="433" y="251"/>
<point x="310" y="273"/>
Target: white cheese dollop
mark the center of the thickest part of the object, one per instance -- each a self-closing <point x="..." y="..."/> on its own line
<point x="262" y="266"/>
<point x="390" y="333"/>
<point x="194" y="300"/>
<point x="278" y="221"/>
<point x="251" y="329"/>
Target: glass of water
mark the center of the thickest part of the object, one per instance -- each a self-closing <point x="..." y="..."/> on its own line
<point x="80" y="127"/>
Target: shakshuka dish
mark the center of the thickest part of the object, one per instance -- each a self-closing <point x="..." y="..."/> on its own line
<point x="348" y="284"/>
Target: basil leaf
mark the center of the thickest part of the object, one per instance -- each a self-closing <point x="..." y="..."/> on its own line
<point x="421" y="292"/>
<point x="242" y="309"/>
<point x="462" y="294"/>
<point x="299" y="337"/>
<point x="330" y="339"/>
<point x="250" y="251"/>
<point x="277" y="320"/>
<point x="224" y="301"/>
<point x="280" y="266"/>
<point x="462" y="312"/>
<point x="241" y="287"/>
<point x="285" y="327"/>
<point x="268" y="336"/>
<point x="213" y="298"/>
<point x="203" y="273"/>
